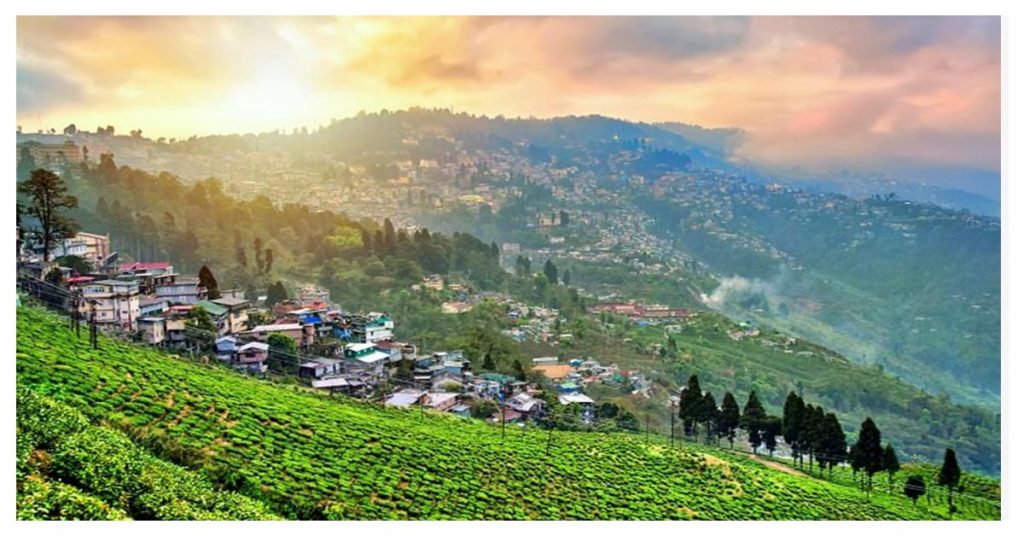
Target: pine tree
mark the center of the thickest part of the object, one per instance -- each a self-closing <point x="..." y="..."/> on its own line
<point x="48" y="198"/>
<point x="207" y="281"/>
<point x="551" y="272"/>
<point x="753" y="420"/>
<point x="949" y="476"/>
<point x="868" y="450"/>
<point x="709" y="415"/>
<point x="729" y="418"/>
<point x="690" y="404"/>
<point x="792" y="420"/>
<point x="890" y="463"/>
<point x="835" y="442"/>
<point x="769" y="433"/>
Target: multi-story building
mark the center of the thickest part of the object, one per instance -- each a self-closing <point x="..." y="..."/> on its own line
<point x="184" y="290"/>
<point x="111" y="302"/>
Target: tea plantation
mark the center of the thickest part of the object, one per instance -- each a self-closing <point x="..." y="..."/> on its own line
<point x="257" y="449"/>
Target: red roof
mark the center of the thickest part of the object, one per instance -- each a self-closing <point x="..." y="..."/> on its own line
<point x="80" y="279"/>
<point x="136" y="266"/>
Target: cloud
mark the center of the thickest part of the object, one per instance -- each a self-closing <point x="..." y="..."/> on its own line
<point x="807" y="90"/>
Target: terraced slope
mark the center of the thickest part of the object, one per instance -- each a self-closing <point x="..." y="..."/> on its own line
<point x="307" y="456"/>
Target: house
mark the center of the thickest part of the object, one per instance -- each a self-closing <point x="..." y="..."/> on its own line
<point x="184" y="290"/>
<point x="365" y="356"/>
<point x="218" y="314"/>
<point x="320" y="367"/>
<point x="568" y="387"/>
<point x="153" y="329"/>
<point x="405" y="398"/>
<point x="251" y="357"/>
<point x="509" y="416"/>
<point x="149" y="306"/>
<point x="374" y="327"/>
<point x="441" y="401"/>
<point x="311" y="294"/>
<point x="111" y="302"/>
<point x="297" y="332"/>
<point x="226" y="347"/>
<point x="92" y="247"/>
<point x="461" y="410"/>
<point x="237" y="313"/>
<point x="525" y="404"/>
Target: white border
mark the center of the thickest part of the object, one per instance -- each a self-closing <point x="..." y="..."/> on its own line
<point x="1011" y="265"/>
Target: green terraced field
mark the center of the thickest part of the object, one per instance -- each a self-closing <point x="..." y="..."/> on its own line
<point x="307" y="456"/>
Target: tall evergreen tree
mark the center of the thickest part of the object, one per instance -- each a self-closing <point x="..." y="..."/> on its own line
<point x="770" y="432"/>
<point x="551" y="272"/>
<point x="690" y="405"/>
<point x="868" y="450"/>
<point x="835" y="442"/>
<point x="890" y="463"/>
<point x="729" y="418"/>
<point x="209" y="282"/>
<point x="792" y="420"/>
<point x="390" y="238"/>
<point x="276" y="293"/>
<point x="709" y="415"/>
<point x="949" y="476"/>
<point x="753" y="420"/>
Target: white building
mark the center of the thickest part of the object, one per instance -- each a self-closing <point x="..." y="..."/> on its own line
<point x="113" y="301"/>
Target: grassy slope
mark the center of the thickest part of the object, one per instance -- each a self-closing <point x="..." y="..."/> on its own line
<point x="920" y="426"/>
<point x="309" y="456"/>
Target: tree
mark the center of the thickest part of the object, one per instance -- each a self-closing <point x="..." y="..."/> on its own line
<point x="691" y="401"/>
<point x="276" y="293"/>
<point x="76" y="263"/>
<point x="565" y="277"/>
<point x="753" y="420"/>
<point x="792" y="420"/>
<point x="890" y="463"/>
<point x="709" y="414"/>
<point x="835" y="442"/>
<point x="488" y="363"/>
<point x="257" y="251"/>
<point x="915" y="487"/>
<point x="241" y="258"/>
<point x="389" y="236"/>
<point x="729" y="418"/>
<point x="563" y="218"/>
<point x="49" y="198"/>
<point x="949" y="476"/>
<point x="207" y="281"/>
<point x="551" y="272"/>
<point x="868" y="450"/>
<point x="769" y="432"/>
<point x="282" y="352"/>
<point x="268" y="261"/>
<point x="483" y="408"/>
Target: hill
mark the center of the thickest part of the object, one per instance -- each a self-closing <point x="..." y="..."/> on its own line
<point x="307" y="456"/>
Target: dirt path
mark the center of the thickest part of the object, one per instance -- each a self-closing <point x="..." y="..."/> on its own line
<point x="774" y="465"/>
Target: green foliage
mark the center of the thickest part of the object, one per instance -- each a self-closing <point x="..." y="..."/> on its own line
<point x="48" y="201"/>
<point x="311" y="456"/>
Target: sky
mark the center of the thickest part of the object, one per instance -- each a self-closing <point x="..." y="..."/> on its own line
<point x="808" y="91"/>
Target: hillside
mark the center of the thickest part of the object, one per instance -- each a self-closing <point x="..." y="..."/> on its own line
<point x="307" y="456"/>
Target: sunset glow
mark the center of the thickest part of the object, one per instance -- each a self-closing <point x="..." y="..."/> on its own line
<point x="806" y="89"/>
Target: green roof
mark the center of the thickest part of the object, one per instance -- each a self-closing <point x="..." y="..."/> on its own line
<point x="212" y="308"/>
<point x="495" y="377"/>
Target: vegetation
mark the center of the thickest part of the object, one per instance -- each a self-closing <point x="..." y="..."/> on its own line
<point x="48" y="200"/>
<point x="309" y="456"/>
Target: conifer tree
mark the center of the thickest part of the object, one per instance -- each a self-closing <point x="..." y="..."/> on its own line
<point x="690" y="404"/>
<point x="835" y="442"/>
<point x="709" y="415"/>
<point x="915" y="487"/>
<point x="867" y="450"/>
<point x="949" y="476"/>
<point x="792" y="420"/>
<point x="729" y="418"/>
<point x="890" y="463"/>
<point x="207" y="281"/>
<point x="753" y="420"/>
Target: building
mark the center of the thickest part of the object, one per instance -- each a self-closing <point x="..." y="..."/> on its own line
<point x="251" y="357"/>
<point x="48" y="155"/>
<point x="186" y="290"/>
<point x="373" y="328"/>
<point x="312" y="294"/>
<point x="112" y="301"/>
<point x="237" y="313"/>
<point x="365" y="356"/>
<point x="153" y="329"/>
<point x="302" y="335"/>
<point x="94" y="248"/>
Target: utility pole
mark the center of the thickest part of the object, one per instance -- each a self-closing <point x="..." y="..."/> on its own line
<point x="647" y="433"/>
<point x="672" y="414"/>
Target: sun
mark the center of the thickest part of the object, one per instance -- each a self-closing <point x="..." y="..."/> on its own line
<point x="274" y="98"/>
